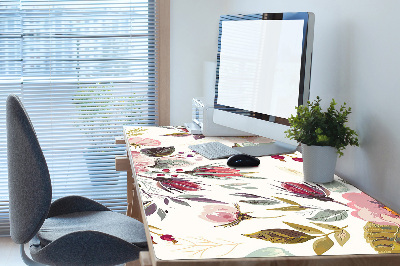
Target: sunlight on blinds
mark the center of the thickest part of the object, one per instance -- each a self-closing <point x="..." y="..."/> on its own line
<point x="83" y="69"/>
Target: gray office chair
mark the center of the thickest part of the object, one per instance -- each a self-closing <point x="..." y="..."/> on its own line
<point x="70" y="231"/>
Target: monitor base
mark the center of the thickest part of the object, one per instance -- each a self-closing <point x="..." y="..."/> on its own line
<point x="267" y="149"/>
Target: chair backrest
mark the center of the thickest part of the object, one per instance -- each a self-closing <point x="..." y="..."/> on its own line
<point x="29" y="183"/>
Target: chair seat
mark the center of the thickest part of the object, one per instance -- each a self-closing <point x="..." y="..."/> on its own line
<point x="108" y="222"/>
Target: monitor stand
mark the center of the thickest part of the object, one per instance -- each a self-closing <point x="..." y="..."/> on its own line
<point x="273" y="148"/>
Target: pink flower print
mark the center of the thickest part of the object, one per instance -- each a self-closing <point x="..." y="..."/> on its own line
<point x="138" y="142"/>
<point x="371" y="210"/>
<point x="169" y="238"/>
<point x="141" y="162"/>
<point x="219" y="213"/>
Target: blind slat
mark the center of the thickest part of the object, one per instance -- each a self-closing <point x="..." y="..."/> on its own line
<point x="83" y="69"/>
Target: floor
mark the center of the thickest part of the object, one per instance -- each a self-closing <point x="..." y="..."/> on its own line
<point x="9" y="253"/>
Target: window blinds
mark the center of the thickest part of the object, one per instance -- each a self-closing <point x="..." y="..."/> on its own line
<point x="83" y="69"/>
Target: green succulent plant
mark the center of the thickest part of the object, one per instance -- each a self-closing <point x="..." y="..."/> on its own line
<point x="312" y="126"/>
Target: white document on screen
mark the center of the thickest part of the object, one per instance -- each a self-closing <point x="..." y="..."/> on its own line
<point x="260" y="63"/>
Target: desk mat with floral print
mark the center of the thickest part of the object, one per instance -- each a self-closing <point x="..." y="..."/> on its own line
<point x="199" y="208"/>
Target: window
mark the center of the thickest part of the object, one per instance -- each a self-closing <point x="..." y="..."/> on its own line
<point x="83" y="69"/>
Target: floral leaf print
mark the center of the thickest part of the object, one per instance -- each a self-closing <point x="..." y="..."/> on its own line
<point x="303" y="234"/>
<point x="180" y="134"/>
<point x="289" y="208"/>
<point x="329" y="216"/>
<point x="158" y="151"/>
<point x="292" y="171"/>
<point x="246" y="195"/>
<point x="165" y="237"/>
<point x="165" y="163"/>
<point x="161" y="213"/>
<point x="237" y="186"/>
<point x="291" y="202"/>
<point x="216" y="172"/>
<point x="328" y="226"/>
<point x="383" y="238"/>
<point x="168" y="238"/>
<point x="135" y="132"/>
<point x="371" y="210"/>
<point x="322" y="245"/>
<point x="141" y="162"/>
<point x="137" y="142"/>
<point x="305" y="229"/>
<point x="150" y="209"/>
<point x="269" y="252"/>
<point x="284" y="236"/>
<point x="200" y="198"/>
<point x="229" y="215"/>
<point x="336" y="186"/>
<point x="342" y="236"/>
<point x="279" y="157"/>
<point x="260" y="202"/>
<point x="197" y="137"/>
<point x="181" y="202"/>
<point x="200" y="245"/>
<point x="308" y="191"/>
<point x="176" y="184"/>
<point x="219" y="213"/>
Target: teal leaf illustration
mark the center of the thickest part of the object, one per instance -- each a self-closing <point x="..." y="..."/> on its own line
<point x="269" y="252"/>
<point x="260" y="202"/>
<point x="236" y="186"/>
<point x="336" y="186"/>
<point x="181" y="202"/>
<point x="161" y="213"/>
<point x="329" y="216"/>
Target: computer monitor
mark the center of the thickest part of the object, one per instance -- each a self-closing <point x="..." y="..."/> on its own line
<point x="263" y="73"/>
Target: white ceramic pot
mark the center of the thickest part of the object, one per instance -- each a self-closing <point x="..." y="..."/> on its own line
<point x="319" y="163"/>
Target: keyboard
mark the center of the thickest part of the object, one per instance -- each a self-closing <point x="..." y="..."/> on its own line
<point x="214" y="150"/>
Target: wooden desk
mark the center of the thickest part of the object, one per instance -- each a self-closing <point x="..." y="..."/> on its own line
<point x="202" y="212"/>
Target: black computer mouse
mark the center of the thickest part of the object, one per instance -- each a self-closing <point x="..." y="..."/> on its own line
<point x="243" y="160"/>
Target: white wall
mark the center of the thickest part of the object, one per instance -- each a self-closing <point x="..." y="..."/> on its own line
<point x="355" y="60"/>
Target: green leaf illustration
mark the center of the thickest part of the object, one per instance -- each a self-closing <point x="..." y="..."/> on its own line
<point x="305" y="229"/>
<point x="260" y="202"/>
<point x="284" y="236"/>
<point x="322" y="245"/>
<point x="342" y="237"/>
<point x="329" y="216"/>
<point x="290" y="208"/>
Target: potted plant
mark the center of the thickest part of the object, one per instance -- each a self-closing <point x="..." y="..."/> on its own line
<point x="323" y="135"/>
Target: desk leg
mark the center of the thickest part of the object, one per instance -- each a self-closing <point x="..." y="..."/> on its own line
<point x="132" y="197"/>
<point x="144" y="260"/>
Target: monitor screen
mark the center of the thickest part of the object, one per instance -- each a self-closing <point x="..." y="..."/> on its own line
<point x="263" y="71"/>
